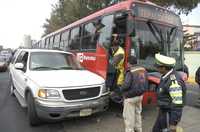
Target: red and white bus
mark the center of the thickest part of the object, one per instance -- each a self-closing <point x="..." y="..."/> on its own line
<point x="144" y="29"/>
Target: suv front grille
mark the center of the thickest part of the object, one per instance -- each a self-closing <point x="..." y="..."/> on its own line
<point x="84" y="93"/>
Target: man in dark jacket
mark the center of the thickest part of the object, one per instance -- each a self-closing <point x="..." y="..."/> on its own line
<point x="197" y="80"/>
<point x="170" y="95"/>
<point x="197" y="76"/>
<point x="132" y="90"/>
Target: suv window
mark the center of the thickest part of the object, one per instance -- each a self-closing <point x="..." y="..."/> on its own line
<point x="53" y="61"/>
<point x="14" y="57"/>
<point x="22" y="58"/>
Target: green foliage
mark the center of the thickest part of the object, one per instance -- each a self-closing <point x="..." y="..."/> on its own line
<point x="68" y="11"/>
<point x="183" y="6"/>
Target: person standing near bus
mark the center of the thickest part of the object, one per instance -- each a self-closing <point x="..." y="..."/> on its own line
<point x="118" y="55"/>
<point x="132" y="90"/>
<point x="197" y="80"/>
<point x="170" y="95"/>
<point x="197" y="77"/>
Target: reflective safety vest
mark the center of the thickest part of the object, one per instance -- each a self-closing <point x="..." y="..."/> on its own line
<point x="171" y="91"/>
<point x="175" y="91"/>
<point x="120" y="66"/>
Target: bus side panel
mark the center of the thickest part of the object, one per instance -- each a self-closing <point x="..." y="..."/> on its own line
<point x="149" y="97"/>
<point x="101" y="62"/>
<point x="87" y="60"/>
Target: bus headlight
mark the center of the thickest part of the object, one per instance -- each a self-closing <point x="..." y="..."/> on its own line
<point x="48" y="94"/>
<point x="105" y="89"/>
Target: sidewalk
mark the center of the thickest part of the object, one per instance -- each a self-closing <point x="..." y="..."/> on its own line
<point x="190" y="121"/>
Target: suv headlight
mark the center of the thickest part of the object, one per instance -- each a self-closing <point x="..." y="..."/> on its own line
<point x="105" y="89"/>
<point x="48" y="93"/>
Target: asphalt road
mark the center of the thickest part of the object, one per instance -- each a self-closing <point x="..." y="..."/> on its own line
<point x="13" y="118"/>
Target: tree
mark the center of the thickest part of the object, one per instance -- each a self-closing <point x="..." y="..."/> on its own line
<point x="182" y="6"/>
<point x="68" y="11"/>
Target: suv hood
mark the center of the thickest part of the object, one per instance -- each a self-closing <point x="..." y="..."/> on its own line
<point x="64" y="78"/>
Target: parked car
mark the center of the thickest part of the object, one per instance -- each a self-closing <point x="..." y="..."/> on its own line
<point x="53" y="85"/>
<point x="3" y="64"/>
<point x="7" y="55"/>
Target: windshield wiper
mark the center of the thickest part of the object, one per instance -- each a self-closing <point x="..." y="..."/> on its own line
<point x="63" y="67"/>
<point x="43" y="67"/>
<point x="171" y="35"/>
<point x="153" y="30"/>
<point x="157" y="33"/>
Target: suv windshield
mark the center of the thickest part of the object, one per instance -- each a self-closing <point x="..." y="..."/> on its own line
<point x="53" y="61"/>
<point x="154" y="38"/>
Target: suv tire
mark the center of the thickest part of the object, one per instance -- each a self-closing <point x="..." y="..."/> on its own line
<point x="32" y="115"/>
<point x="12" y="87"/>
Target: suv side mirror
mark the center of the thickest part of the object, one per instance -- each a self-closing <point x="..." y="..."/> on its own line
<point x="19" y="66"/>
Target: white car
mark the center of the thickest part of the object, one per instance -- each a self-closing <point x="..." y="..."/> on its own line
<point x="52" y="85"/>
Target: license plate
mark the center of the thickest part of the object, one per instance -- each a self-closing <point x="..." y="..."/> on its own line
<point x="85" y="112"/>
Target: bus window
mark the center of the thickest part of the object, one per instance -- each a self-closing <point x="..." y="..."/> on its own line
<point x="64" y="40"/>
<point x="88" y="39"/>
<point x="51" y="42"/>
<point x="148" y="45"/>
<point x="74" y="43"/>
<point x="43" y="43"/>
<point x="57" y="41"/>
<point x="119" y="27"/>
<point x="106" y="31"/>
<point x="40" y="44"/>
<point x="47" y="43"/>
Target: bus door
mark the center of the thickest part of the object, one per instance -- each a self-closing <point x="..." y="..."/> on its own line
<point x="119" y="28"/>
<point x="103" y="44"/>
<point x="143" y="46"/>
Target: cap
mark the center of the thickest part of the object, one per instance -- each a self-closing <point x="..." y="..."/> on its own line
<point x="162" y="60"/>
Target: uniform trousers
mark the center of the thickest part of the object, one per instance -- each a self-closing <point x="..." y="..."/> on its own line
<point x="132" y="114"/>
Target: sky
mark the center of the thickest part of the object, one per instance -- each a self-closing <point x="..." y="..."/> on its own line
<point x="26" y="17"/>
<point x="22" y="17"/>
<point x="193" y="18"/>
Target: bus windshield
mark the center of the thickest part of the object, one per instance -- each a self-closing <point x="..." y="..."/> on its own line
<point x="156" y="31"/>
<point x="156" y="38"/>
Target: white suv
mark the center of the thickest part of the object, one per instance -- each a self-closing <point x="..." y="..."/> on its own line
<point x="52" y="85"/>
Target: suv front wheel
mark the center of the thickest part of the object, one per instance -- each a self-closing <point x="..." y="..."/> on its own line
<point x="32" y="115"/>
<point x="12" y="87"/>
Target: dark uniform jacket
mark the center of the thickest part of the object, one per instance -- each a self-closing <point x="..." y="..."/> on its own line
<point x="197" y="76"/>
<point x="135" y="82"/>
<point x="171" y="95"/>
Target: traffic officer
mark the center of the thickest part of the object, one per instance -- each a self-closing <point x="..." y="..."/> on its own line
<point x="118" y="59"/>
<point x="170" y="95"/>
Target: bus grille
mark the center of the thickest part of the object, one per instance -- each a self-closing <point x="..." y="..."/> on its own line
<point x="84" y="93"/>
